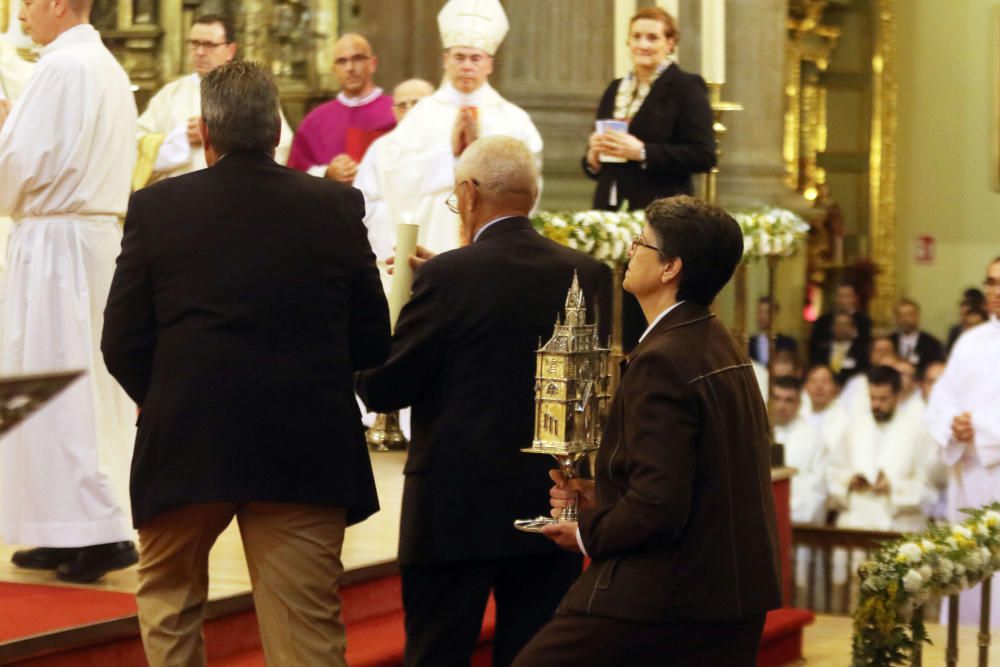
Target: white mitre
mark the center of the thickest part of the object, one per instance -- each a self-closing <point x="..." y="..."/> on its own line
<point x="479" y="24"/>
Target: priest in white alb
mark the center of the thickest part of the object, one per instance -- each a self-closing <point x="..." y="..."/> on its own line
<point x="66" y="155"/>
<point x="878" y="478"/>
<point x="963" y="417"/>
<point x="417" y="160"/>
<point x="168" y="128"/>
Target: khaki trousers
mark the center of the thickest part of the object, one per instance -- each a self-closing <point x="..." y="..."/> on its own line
<point x="293" y="554"/>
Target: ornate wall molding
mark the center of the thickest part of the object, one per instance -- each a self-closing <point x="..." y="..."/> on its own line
<point x="882" y="176"/>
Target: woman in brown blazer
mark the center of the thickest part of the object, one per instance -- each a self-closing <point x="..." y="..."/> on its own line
<point x="680" y="520"/>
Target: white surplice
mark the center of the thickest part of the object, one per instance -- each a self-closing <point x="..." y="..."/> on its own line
<point x="14" y="74"/>
<point x="414" y="171"/>
<point x="830" y="424"/>
<point x="806" y="452"/>
<point x="893" y="448"/>
<point x="66" y="157"/>
<point x="971" y="383"/>
<point x="14" y="71"/>
<point x="168" y="113"/>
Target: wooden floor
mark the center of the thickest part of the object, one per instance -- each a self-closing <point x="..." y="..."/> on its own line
<point x="827" y="642"/>
<point x="370" y="542"/>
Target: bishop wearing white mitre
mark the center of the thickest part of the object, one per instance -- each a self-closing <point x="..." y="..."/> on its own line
<point x="416" y="170"/>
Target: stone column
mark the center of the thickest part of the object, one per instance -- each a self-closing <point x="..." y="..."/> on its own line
<point x="752" y="169"/>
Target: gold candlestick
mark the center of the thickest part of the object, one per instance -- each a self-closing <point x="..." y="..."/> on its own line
<point x="712" y="196"/>
<point x="719" y="129"/>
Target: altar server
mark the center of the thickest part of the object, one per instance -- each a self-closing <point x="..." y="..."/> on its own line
<point x="418" y="159"/>
<point x="172" y="114"/>
<point x="878" y="478"/>
<point x="66" y="157"/>
<point x="963" y="419"/>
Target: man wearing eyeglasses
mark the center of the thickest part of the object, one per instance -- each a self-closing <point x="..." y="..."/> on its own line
<point x="334" y="136"/>
<point x="963" y="418"/>
<point x="171" y="118"/>
<point x="418" y="168"/>
<point x="463" y="357"/>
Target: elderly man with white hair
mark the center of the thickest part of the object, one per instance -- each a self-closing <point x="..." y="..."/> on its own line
<point x="463" y="357"/>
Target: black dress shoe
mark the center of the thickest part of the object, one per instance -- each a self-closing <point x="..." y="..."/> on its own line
<point x="92" y="563"/>
<point x="43" y="558"/>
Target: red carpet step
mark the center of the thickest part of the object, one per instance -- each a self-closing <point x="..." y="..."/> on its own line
<point x="31" y="610"/>
<point x="372" y="612"/>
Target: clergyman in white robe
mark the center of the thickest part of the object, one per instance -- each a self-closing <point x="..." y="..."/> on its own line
<point x="168" y="113"/>
<point x="971" y="383"/>
<point x="415" y="170"/>
<point x="892" y="448"/>
<point x="66" y="157"/>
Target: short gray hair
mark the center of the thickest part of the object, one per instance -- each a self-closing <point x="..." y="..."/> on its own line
<point x="500" y="165"/>
<point x="239" y="102"/>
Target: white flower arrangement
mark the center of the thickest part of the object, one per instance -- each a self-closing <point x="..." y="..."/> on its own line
<point x="905" y="574"/>
<point x="604" y="235"/>
<point x="771" y="232"/>
<point x="607" y="235"/>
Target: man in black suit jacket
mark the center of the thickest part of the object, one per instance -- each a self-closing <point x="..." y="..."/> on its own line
<point x="681" y="529"/>
<point x="846" y="353"/>
<point x="245" y="296"/>
<point x="463" y="357"/>
<point x="846" y="301"/>
<point x="911" y="344"/>
<point x="758" y="345"/>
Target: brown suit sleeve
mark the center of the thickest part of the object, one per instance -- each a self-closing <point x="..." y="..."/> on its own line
<point x="658" y="442"/>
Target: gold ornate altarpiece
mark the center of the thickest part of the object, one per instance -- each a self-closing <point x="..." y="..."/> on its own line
<point x="810" y="46"/>
<point x="294" y="36"/>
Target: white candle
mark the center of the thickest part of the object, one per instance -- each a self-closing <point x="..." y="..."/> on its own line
<point x="713" y="40"/>
<point x="402" y="274"/>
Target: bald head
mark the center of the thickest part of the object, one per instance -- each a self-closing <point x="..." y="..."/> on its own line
<point x="354" y="65"/>
<point x="352" y="40"/>
<point x="406" y="95"/>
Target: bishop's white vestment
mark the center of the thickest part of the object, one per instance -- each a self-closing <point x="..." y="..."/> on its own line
<point x="66" y="157"/>
<point x="168" y="113"/>
<point x="805" y="450"/>
<point x="414" y="166"/>
<point x="971" y="383"/>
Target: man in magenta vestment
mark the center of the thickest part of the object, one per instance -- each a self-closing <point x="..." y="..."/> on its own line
<point x="334" y="136"/>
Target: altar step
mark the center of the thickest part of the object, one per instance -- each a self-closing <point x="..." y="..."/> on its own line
<point x="372" y="609"/>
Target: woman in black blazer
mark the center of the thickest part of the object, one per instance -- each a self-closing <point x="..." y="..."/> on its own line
<point x="669" y="133"/>
<point x="670" y="122"/>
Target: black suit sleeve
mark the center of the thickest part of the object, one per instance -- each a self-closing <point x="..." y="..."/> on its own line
<point x="660" y="431"/>
<point x="418" y="346"/>
<point x="129" y="336"/>
<point x="692" y="148"/>
<point x="369" y="327"/>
